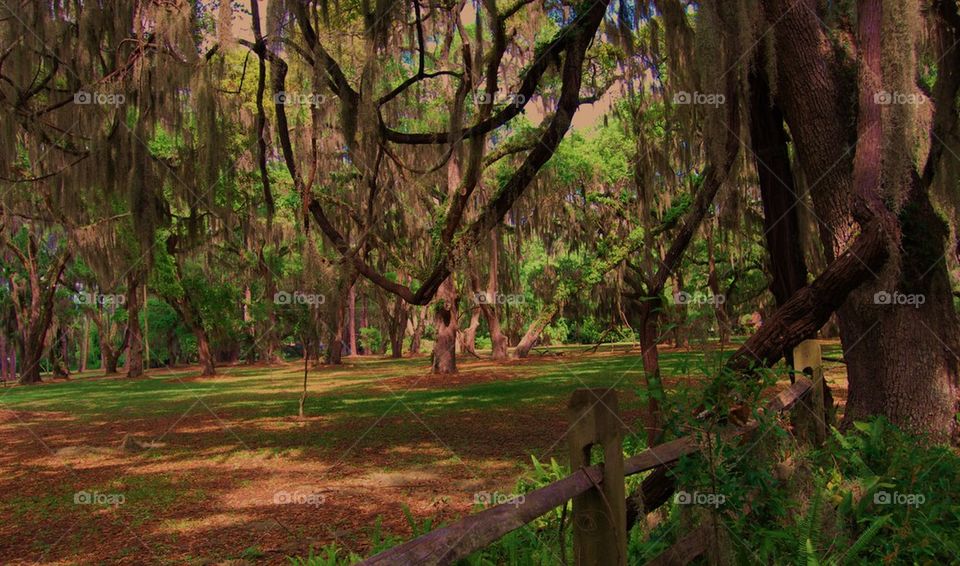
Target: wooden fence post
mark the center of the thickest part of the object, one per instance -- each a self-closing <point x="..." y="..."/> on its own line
<point x="599" y="514"/>
<point x="811" y="415"/>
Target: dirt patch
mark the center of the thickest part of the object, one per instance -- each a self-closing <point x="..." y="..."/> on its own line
<point x="206" y="489"/>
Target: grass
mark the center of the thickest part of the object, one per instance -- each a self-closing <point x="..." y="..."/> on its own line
<point x="380" y="435"/>
<point x="347" y="392"/>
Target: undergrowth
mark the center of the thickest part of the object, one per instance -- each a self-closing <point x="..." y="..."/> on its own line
<point x="870" y="495"/>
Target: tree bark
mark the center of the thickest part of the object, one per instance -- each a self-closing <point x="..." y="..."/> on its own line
<point x="334" y="355"/>
<point x="912" y="381"/>
<point x="445" y="320"/>
<point x="352" y="319"/>
<point x="203" y="352"/>
<point x="649" y="327"/>
<point x="534" y="330"/>
<point x="491" y="312"/>
<point x="84" y="345"/>
<point x="468" y="338"/>
<point x="417" y="331"/>
<point x="135" y="334"/>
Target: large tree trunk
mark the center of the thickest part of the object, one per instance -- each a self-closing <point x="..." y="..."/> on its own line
<point x="900" y="359"/>
<point x="778" y="193"/>
<point x="31" y="355"/>
<point x="445" y="320"/>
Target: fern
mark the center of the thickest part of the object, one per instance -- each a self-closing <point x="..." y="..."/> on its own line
<point x="864" y="539"/>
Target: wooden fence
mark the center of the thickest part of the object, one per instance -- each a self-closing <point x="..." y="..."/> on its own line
<point x="599" y="509"/>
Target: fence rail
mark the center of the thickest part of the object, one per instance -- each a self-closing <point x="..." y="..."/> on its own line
<point x="591" y="411"/>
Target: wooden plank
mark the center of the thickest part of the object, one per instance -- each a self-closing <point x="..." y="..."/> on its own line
<point x="454" y="542"/>
<point x="599" y="515"/>
<point x="686" y="549"/>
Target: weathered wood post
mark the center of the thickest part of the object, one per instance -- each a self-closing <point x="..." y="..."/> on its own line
<point x="600" y="514"/>
<point x="810" y="416"/>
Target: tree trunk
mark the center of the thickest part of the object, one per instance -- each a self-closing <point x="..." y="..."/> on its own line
<point x="3" y="357"/>
<point x="900" y="359"/>
<point x="717" y="298"/>
<point x="352" y="319"/>
<point x="203" y="352"/>
<point x="398" y="327"/>
<point x="778" y="193"/>
<point x="491" y="312"/>
<point x="647" y="324"/>
<point x="533" y="331"/>
<point x="417" y="332"/>
<point x="32" y="354"/>
<point x="334" y="354"/>
<point x="110" y="358"/>
<point x="84" y="345"/>
<point x="445" y="319"/>
<point x="468" y="338"/>
<point x="58" y="354"/>
<point x="135" y="342"/>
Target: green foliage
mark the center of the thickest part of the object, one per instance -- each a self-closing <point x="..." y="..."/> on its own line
<point x="372" y="340"/>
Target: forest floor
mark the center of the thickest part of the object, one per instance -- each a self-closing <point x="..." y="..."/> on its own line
<point x="222" y="471"/>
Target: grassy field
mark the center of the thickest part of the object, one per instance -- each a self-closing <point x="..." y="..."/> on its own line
<point x="219" y="469"/>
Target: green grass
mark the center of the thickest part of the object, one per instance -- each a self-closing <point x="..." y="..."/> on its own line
<point x="346" y="392"/>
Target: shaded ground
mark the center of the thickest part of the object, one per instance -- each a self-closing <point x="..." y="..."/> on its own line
<point x="226" y="471"/>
